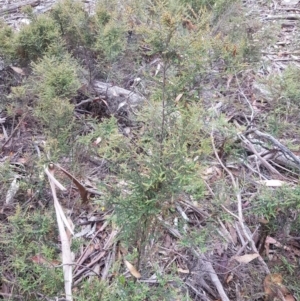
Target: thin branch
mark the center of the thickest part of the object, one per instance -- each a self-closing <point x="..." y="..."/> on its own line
<point x="14" y="131"/>
<point x="245" y="229"/>
<point x="287" y="17"/>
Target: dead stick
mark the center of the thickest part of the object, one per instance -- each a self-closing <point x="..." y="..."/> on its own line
<point x="13" y="132"/>
<point x="245" y="229"/>
<point x="288" y="17"/>
<point x="18" y="5"/>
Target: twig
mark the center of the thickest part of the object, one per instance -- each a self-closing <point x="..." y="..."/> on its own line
<point x="288" y="8"/>
<point x="79" y="265"/>
<point x="283" y="148"/>
<point x="13" y="132"/>
<point x="203" y="297"/>
<point x="263" y="160"/>
<point x="228" y="211"/>
<point x="83" y="255"/>
<point x="83" y="102"/>
<point x="108" y="262"/>
<point x="288" y="17"/>
<point x="11" y="296"/>
<point x="245" y="229"/>
<point x="239" y="233"/>
<point x="225" y="233"/>
<point x="246" y="98"/>
<point x="243" y="247"/>
<point x="185" y="201"/>
<point x="97" y="258"/>
<point x="213" y="277"/>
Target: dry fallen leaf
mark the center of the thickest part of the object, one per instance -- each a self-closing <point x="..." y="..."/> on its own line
<point x="82" y="190"/>
<point x="289" y="298"/>
<point x="133" y="271"/>
<point x="18" y="70"/>
<point x="13" y="189"/>
<point x="211" y="172"/>
<point x="39" y="259"/>
<point x="246" y="258"/>
<point x="180" y="270"/>
<point x="271" y="183"/>
<point x="274" y="288"/>
<point x="97" y="141"/>
<point x="229" y="278"/>
<point x="178" y="97"/>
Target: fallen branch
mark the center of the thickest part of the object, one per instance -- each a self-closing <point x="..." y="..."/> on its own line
<point x="14" y="7"/>
<point x="287" y="17"/>
<point x="262" y="159"/>
<point x="117" y="97"/>
<point x="62" y="222"/>
<point x="207" y="265"/>
<point x="285" y="151"/>
<point x="245" y="229"/>
<point x="14" y="131"/>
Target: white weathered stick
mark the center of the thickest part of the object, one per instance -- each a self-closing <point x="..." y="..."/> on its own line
<point x="65" y="243"/>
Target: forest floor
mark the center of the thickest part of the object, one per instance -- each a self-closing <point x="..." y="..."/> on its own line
<point x="239" y="241"/>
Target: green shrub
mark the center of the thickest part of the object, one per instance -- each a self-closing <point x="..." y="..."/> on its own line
<point x="289" y="87"/>
<point x="55" y="83"/>
<point x="34" y="39"/>
<point x="55" y="77"/>
<point x="73" y="23"/>
<point x="7" y="45"/>
<point x="25" y="239"/>
<point x="163" y="162"/>
<point x="272" y="201"/>
<point x="110" y="38"/>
